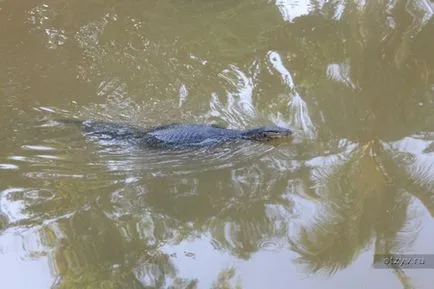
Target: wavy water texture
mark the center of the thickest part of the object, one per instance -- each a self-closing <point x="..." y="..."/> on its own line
<point x="298" y="114"/>
<point x="290" y="9"/>
<point x="42" y="17"/>
<point x="120" y="157"/>
<point x="353" y="79"/>
<point x="238" y="110"/>
<point x="340" y="72"/>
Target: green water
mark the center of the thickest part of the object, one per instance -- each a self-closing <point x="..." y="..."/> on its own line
<point x="353" y="79"/>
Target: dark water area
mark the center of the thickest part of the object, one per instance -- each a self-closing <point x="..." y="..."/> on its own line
<point x="353" y="79"/>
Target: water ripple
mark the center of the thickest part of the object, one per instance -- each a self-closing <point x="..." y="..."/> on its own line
<point x="37" y="147"/>
<point x="297" y="115"/>
<point x="8" y="167"/>
<point x="164" y="162"/>
<point x="270" y="245"/>
<point x="93" y="158"/>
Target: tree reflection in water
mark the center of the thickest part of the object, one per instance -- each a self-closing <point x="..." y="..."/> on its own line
<point x="365" y="72"/>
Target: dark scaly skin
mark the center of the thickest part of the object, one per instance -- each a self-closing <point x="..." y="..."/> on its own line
<point x="178" y="135"/>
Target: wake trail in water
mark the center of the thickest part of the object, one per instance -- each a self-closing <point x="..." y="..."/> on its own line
<point x="126" y="157"/>
<point x="298" y="113"/>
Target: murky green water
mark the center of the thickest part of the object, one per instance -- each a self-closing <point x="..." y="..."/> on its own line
<point x="354" y="79"/>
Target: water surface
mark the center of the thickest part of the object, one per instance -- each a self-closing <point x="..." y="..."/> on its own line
<point x="354" y="79"/>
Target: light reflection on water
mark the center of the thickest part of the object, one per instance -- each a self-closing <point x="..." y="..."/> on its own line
<point x="123" y="157"/>
<point x="353" y="79"/>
